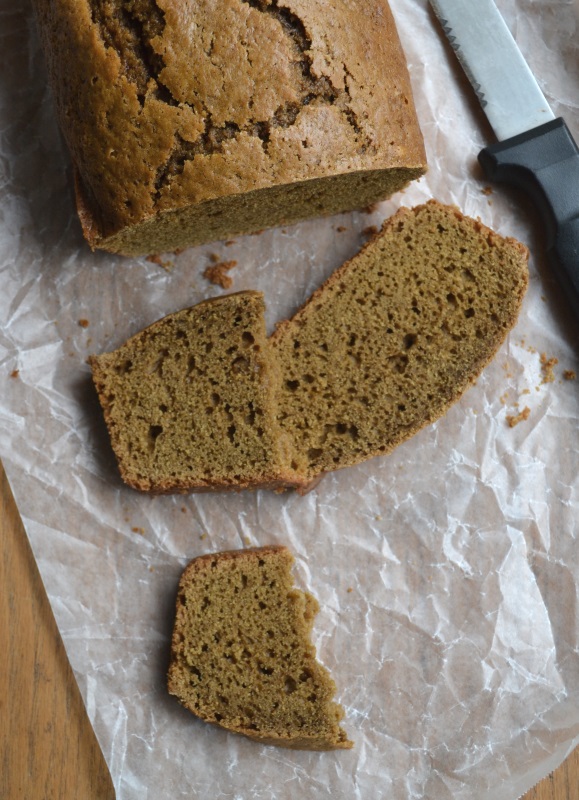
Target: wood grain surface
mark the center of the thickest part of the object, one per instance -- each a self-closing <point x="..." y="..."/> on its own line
<point x="48" y="750"/>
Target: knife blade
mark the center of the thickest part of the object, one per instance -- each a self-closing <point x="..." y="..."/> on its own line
<point x="535" y="150"/>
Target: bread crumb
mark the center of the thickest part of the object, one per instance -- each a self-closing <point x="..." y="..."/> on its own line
<point x="203" y="536"/>
<point x="547" y="365"/>
<point x="341" y="228"/>
<point x="568" y="375"/>
<point x="349" y="589"/>
<point x="513" y="420"/>
<point x="183" y="510"/>
<point x="15" y="373"/>
<point x="84" y="323"/>
<point x="508" y="372"/>
<point x="229" y="242"/>
<point x="155" y="258"/>
<point x="135" y="529"/>
<point x="217" y="273"/>
<point x="371" y="208"/>
<point x="487" y="190"/>
<point x="371" y="230"/>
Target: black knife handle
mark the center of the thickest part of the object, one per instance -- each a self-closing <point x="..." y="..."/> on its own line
<point x="544" y="162"/>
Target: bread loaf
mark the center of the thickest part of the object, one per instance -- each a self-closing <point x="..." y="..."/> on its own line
<point x="241" y="655"/>
<point x="192" y="122"/>
<point x="383" y="348"/>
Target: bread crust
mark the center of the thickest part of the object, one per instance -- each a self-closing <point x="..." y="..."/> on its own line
<point x="282" y="95"/>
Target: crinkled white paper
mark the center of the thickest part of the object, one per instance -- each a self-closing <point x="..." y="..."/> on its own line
<point x="447" y="572"/>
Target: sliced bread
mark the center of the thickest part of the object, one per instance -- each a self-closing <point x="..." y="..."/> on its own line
<point x="396" y="335"/>
<point x="203" y="400"/>
<point x="241" y="654"/>
<point x="190" y="401"/>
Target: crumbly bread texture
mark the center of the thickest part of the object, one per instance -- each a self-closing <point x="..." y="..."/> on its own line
<point x="383" y="348"/>
<point x="191" y="122"/>
<point x="241" y="654"/>
<point x="190" y="401"/>
<point x="396" y="335"/>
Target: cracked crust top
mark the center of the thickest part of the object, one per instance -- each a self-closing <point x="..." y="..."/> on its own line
<point x="279" y="93"/>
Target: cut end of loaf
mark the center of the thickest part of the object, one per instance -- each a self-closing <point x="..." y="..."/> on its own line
<point x="241" y="654"/>
<point x="239" y="214"/>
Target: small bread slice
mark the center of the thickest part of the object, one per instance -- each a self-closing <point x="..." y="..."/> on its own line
<point x="241" y="654"/>
<point x="190" y="401"/>
<point x="395" y="335"/>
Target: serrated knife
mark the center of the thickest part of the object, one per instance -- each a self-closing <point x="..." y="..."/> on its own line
<point x="535" y="151"/>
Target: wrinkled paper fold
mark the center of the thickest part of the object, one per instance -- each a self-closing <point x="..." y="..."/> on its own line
<point x="447" y="572"/>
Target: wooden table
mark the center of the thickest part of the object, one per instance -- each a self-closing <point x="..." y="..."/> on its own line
<point x="48" y="750"/>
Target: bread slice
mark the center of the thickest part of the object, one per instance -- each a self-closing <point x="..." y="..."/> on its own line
<point x="193" y="122"/>
<point x="190" y="401"/>
<point x="396" y="335"/>
<point x="241" y="654"/>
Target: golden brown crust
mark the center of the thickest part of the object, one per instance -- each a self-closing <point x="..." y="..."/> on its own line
<point x="282" y="95"/>
<point x="275" y="483"/>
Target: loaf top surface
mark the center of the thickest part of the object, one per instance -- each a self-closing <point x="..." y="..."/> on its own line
<point x="241" y="653"/>
<point x="276" y="94"/>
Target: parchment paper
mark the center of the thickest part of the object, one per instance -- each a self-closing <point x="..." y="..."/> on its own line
<point x="447" y="572"/>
